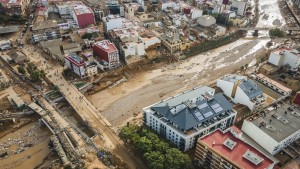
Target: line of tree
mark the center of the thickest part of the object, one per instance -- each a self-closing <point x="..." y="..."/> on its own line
<point x="157" y="153"/>
<point x="212" y="44"/>
<point x="36" y="75"/>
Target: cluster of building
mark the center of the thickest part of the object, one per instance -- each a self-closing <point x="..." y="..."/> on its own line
<point x="133" y="29"/>
<point x="205" y="120"/>
<point x="13" y="7"/>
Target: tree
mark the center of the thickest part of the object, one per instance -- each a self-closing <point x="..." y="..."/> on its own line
<point x="87" y="36"/>
<point x="31" y="67"/>
<point x="155" y="160"/>
<point x="242" y="68"/>
<point x="37" y="75"/>
<point x="21" y="70"/>
<point x="144" y="145"/>
<point x="276" y="33"/>
<point x="175" y="159"/>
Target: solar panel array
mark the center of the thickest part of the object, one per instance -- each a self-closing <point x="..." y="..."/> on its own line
<point x="208" y="114"/>
<point x="199" y="116"/>
<point x="216" y="107"/>
<point x="201" y="106"/>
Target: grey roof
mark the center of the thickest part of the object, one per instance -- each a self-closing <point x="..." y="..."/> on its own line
<point x="250" y="88"/>
<point x="195" y="92"/>
<point x="280" y="129"/>
<point x="190" y="117"/>
<point x="9" y="29"/>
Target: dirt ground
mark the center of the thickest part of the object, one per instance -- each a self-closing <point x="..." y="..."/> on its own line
<point x="121" y="103"/>
<point x="27" y="147"/>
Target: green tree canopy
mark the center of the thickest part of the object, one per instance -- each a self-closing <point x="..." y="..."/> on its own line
<point x="155" y="160"/>
<point x="276" y="33"/>
<point x="175" y="159"/>
<point x="21" y="70"/>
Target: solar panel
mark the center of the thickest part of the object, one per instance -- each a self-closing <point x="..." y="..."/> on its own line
<point x="198" y="114"/>
<point x="214" y="106"/>
<point x="200" y="118"/>
<point x="201" y="106"/>
<point x="217" y="110"/>
<point x="208" y="114"/>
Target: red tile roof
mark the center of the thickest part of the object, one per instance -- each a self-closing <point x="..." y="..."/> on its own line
<point x="106" y="46"/>
<point x="297" y="99"/>
<point x="235" y="155"/>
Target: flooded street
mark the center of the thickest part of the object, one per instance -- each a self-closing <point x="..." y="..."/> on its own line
<point x="270" y="17"/>
<point x="148" y="87"/>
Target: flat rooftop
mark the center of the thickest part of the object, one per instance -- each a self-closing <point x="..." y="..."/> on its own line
<point x="106" y="45"/>
<point x="235" y="150"/>
<point x="273" y="82"/>
<point x="45" y="25"/>
<point x="9" y="29"/>
<point x="284" y="122"/>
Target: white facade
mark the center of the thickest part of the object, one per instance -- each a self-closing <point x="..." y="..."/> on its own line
<point x="282" y="57"/>
<point x="150" y="41"/>
<point x="240" y="5"/>
<point x="169" y="4"/>
<point x="112" y="22"/>
<point x="79" y="70"/>
<point x="206" y="20"/>
<point x="91" y="70"/>
<point x="232" y="85"/>
<point x="268" y="143"/>
<point x="217" y="9"/>
<point x="134" y="49"/>
<point x="174" y="136"/>
<point x="196" y="13"/>
<point x="185" y="140"/>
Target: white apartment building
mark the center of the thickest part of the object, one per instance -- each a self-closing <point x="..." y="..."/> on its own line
<point x="112" y="22"/>
<point x="183" y="118"/>
<point x="279" y="127"/>
<point x="242" y="90"/>
<point x="79" y="66"/>
<point x="239" y="6"/>
<point x="284" y="56"/>
<point x="196" y="13"/>
<point x="165" y="4"/>
<point x="133" y="49"/>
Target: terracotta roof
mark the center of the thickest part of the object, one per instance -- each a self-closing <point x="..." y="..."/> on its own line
<point x="235" y="155"/>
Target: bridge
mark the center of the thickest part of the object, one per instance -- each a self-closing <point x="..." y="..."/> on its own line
<point x="256" y="29"/>
<point x="269" y="28"/>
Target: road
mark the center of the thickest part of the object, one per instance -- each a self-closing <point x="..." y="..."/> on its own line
<point x="89" y="113"/>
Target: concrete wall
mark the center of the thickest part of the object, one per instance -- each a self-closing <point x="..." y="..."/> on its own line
<point x="274" y="59"/>
<point x="242" y="98"/>
<point x="268" y="143"/>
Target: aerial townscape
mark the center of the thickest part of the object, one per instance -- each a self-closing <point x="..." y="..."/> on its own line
<point x="149" y="84"/>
